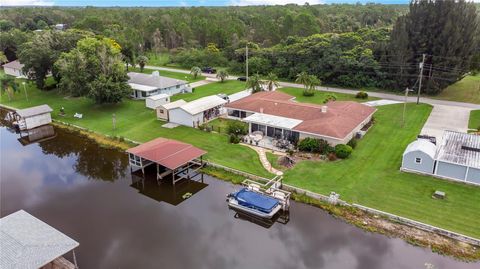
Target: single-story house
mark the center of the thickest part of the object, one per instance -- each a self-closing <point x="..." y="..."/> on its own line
<point x="457" y="157"/>
<point x="32" y="117"/>
<point x="162" y="110"/>
<point x="155" y="101"/>
<point x="14" y="68"/>
<point x="145" y="85"/>
<point x="278" y="116"/>
<point x="198" y="111"/>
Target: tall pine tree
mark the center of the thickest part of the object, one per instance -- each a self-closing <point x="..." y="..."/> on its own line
<point x="446" y="31"/>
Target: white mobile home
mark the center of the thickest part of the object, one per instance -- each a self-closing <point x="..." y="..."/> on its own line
<point x="145" y="85"/>
<point x="198" y="111"/>
<point x="13" y="68"/>
<point x="155" y="101"/>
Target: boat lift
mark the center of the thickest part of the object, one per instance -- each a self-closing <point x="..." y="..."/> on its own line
<point x="271" y="188"/>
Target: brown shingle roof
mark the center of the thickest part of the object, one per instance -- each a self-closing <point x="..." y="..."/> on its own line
<point x="341" y="118"/>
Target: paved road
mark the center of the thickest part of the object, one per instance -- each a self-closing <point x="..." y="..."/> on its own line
<point x="388" y="96"/>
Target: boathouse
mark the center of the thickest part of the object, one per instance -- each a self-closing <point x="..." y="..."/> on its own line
<point x="27" y="242"/>
<point x="32" y="117"/>
<point x="172" y="158"/>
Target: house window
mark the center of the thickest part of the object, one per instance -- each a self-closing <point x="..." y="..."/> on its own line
<point x="178" y="86"/>
<point x="161" y="111"/>
<point x="418" y="160"/>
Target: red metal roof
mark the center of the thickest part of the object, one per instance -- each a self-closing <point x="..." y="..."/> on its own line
<point x="166" y="152"/>
<point x="341" y="118"/>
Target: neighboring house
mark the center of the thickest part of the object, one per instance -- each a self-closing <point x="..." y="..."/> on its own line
<point x="198" y="111"/>
<point x="162" y="110"/>
<point x="278" y="116"/>
<point x="13" y="68"/>
<point x="31" y="117"/>
<point x="155" y="101"/>
<point x="457" y="158"/>
<point x="145" y="85"/>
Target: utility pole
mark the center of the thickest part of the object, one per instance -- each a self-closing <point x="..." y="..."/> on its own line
<point x="420" y="78"/>
<point x="246" y="59"/>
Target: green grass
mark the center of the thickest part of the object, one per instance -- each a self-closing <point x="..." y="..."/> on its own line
<point x="134" y="121"/>
<point x="371" y="176"/>
<point x="466" y="90"/>
<point x="228" y="87"/>
<point x="474" y="122"/>
<point x="170" y="74"/>
<point x="160" y="59"/>
<point x="220" y="125"/>
<point x="273" y="159"/>
<point x="320" y="96"/>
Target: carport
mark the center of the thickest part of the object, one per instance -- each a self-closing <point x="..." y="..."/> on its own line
<point x="175" y="158"/>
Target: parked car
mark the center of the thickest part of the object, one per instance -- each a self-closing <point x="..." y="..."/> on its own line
<point x="209" y="70"/>
<point x="242" y="78"/>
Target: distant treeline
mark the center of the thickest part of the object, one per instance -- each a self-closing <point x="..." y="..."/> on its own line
<point x="347" y="45"/>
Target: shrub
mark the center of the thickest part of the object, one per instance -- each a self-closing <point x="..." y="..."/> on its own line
<point x="234" y="139"/>
<point x="343" y="151"/>
<point x="332" y="156"/>
<point x="314" y="145"/>
<point x="237" y="127"/>
<point x="352" y="143"/>
<point x="308" y="92"/>
<point x="330" y="98"/>
<point x="361" y="95"/>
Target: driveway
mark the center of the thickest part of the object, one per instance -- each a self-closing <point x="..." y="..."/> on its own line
<point x="453" y="118"/>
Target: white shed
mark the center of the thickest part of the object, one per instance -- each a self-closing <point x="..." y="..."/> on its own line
<point x="32" y="117"/>
<point x="198" y="111"/>
<point x="157" y="100"/>
<point x="13" y="68"/>
<point x="419" y="156"/>
<point x="162" y="110"/>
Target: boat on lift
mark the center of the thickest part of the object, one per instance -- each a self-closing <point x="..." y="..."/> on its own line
<point x="255" y="203"/>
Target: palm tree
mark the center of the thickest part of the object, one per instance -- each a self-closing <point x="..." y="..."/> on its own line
<point x="142" y="61"/>
<point x="272" y="81"/>
<point x="195" y="71"/>
<point x="8" y="85"/>
<point x="303" y="78"/>
<point x="255" y="83"/>
<point x="222" y="75"/>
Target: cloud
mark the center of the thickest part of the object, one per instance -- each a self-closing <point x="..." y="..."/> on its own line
<point x="26" y="3"/>
<point x="272" y="2"/>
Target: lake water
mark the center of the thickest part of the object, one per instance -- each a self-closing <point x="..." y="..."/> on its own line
<point x="88" y="193"/>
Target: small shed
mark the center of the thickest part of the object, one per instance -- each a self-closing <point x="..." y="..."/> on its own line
<point x="162" y="110"/>
<point x="458" y="157"/>
<point x="197" y="112"/>
<point x="155" y="101"/>
<point x="13" y="68"/>
<point x="419" y="156"/>
<point x="27" y="242"/>
<point x="32" y="117"/>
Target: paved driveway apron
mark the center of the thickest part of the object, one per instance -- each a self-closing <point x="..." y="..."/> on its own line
<point x="443" y="117"/>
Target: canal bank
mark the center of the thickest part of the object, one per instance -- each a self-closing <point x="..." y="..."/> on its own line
<point x="355" y="215"/>
<point x="68" y="180"/>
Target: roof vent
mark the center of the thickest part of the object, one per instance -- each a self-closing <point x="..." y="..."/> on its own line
<point x="324" y="109"/>
<point x="470" y="148"/>
<point x="261" y="110"/>
<point x="155" y="74"/>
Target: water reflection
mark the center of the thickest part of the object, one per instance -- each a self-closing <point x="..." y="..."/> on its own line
<point x="119" y="228"/>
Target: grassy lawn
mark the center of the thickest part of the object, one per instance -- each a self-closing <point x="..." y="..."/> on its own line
<point x="371" y="177"/>
<point x="273" y="159"/>
<point x="228" y="87"/>
<point x="465" y="90"/>
<point x="474" y="122"/>
<point x="160" y="59"/>
<point x="138" y="123"/>
<point x="220" y="125"/>
<point x="170" y="74"/>
<point x="320" y="96"/>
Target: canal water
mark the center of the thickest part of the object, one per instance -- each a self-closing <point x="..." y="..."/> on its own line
<point x="120" y="221"/>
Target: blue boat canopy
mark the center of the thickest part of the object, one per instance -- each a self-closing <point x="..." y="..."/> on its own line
<point x="255" y="200"/>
